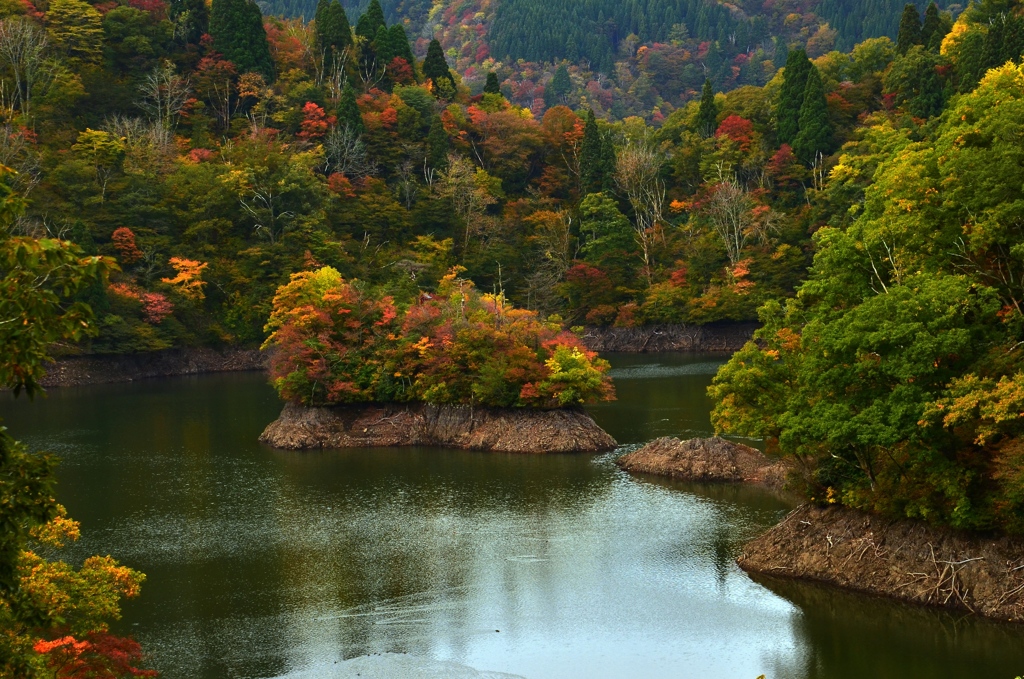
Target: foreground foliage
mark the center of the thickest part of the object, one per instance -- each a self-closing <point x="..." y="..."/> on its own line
<point x="336" y="342"/>
<point x="54" y="617"/>
<point x="895" y="376"/>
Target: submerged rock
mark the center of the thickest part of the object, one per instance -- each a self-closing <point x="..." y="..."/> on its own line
<point x="900" y="559"/>
<point x="712" y="459"/>
<point x="510" y="430"/>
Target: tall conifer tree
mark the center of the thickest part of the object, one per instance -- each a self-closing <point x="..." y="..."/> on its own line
<point x="492" y="86"/>
<point x="791" y="96"/>
<point x="435" y="66"/>
<point x="370" y="21"/>
<point x="399" y="43"/>
<point x="348" y="110"/>
<point x="437" y="145"/>
<point x="910" y="29"/>
<point x="816" y="134"/>
<point x="707" y="114"/>
<point x="592" y="168"/>
<point x="237" y="30"/>
<point x="932" y="31"/>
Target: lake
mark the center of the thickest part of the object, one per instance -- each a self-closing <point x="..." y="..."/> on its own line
<point x="264" y="563"/>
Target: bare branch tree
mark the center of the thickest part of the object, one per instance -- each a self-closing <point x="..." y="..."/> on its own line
<point x="22" y="45"/>
<point x="346" y="153"/>
<point x="638" y="175"/>
<point x="735" y="216"/>
<point x="164" y="94"/>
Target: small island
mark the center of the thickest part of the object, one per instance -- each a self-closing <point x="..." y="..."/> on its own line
<point x="454" y="368"/>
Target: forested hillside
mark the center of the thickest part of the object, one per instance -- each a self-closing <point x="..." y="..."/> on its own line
<point x="215" y="154"/>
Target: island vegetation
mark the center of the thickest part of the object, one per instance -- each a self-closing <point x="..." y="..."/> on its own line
<point x="335" y="342"/>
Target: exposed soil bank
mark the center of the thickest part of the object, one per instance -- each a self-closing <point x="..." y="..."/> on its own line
<point x="77" y="370"/>
<point x="901" y="559"/>
<point x="726" y="337"/>
<point x="713" y="459"/>
<point x="510" y="430"/>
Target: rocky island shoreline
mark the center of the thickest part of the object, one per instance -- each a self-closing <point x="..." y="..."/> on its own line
<point x="900" y="559"/>
<point x="706" y="460"/>
<point x="507" y="430"/>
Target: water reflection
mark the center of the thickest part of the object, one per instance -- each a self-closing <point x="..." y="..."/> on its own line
<point x="263" y="562"/>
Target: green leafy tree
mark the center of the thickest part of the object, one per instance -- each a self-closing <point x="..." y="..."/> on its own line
<point x="707" y="113"/>
<point x="816" y="134"/>
<point x="76" y="28"/>
<point x="597" y="158"/>
<point x="791" y="96"/>
<point x="333" y="33"/>
<point x="910" y="29"/>
<point x="191" y="19"/>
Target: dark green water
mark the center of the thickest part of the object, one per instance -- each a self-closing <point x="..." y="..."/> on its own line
<point x="262" y="563"/>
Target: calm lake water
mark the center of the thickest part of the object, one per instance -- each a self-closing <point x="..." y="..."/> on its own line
<point x="263" y="563"/>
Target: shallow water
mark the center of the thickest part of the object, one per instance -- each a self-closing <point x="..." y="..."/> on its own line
<point x="264" y="563"/>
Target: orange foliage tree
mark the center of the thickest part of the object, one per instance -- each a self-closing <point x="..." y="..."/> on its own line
<point x="337" y="343"/>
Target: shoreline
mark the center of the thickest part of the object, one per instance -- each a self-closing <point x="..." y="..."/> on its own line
<point x="898" y="559"/>
<point x="506" y="430"/>
<point x="73" y="371"/>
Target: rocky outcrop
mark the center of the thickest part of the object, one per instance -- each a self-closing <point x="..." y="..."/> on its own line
<point x="714" y="337"/>
<point x="103" y="369"/>
<point x="713" y="459"/>
<point x="510" y="430"/>
<point x="901" y="559"/>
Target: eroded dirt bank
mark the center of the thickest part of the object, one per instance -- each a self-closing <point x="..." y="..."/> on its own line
<point x="900" y="559"/>
<point x="103" y="369"/>
<point x="712" y="459"/>
<point x="511" y="430"/>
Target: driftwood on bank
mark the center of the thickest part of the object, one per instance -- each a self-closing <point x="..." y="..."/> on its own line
<point x="511" y="430"/>
<point x="901" y="559"/>
<point x="712" y="459"/>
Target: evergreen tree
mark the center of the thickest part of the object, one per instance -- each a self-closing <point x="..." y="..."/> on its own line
<point x="815" y="135"/>
<point x="348" y="110"/>
<point x="237" y="30"/>
<point x="191" y="19"/>
<point x="320" y="21"/>
<point x="399" y="43"/>
<point x="435" y="66"/>
<point x="932" y="31"/>
<point x="382" y="47"/>
<point x="707" y="114"/>
<point x="791" y="96"/>
<point x="437" y="145"/>
<point x="607" y="172"/>
<point x="572" y="49"/>
<point x="781" y="53"/>
<point x="910" y="29"/>
<point x="371" y="21"/>
<point x="333" y="33"/>
<point x="491" y="86"/>
<point x="559" y="86"/>
<point x="592" y="157"/>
